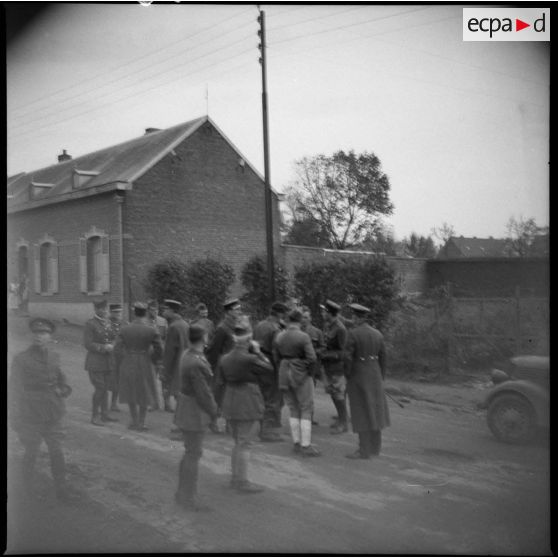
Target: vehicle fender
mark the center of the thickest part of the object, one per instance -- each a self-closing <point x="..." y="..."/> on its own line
<point x="537" y="395"/>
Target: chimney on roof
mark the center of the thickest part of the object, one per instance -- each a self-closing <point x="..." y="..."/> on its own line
<point x="64" y="157"/>
<point x="151" y="130"/>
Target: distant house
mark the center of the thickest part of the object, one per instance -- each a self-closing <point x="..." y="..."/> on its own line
<point x="464" y="247"/>
<point x="90" y="227"/>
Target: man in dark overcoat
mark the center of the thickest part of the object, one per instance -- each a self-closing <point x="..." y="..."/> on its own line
<point x="332" y="358"/>
<point x="135" y="346"/>
<point x="37" y="388"/>
<point x="196" y="407"/>
<point x="161" y="325"/>
<point x="115" y="320"/>
<point x="97" y="339"/>
<point x="294" y="353"/>
<point x="221" y="343"/>
<point x="366" y="371"/>
<point x="175" y="345"/>
<point x="265" y="333"/>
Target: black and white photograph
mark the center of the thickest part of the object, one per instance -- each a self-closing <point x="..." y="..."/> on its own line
<point x="278" y="278"/>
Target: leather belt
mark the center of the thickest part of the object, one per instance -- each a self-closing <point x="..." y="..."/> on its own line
<point x="369" y="357"/>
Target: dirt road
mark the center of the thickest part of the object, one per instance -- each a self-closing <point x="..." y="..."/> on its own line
<point x="442" y="485"/>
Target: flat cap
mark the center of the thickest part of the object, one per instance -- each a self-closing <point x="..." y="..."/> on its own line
<point x="100" y="303"/>
<point x="332" y="307"/>
<point x="115" y="306"/>
<point x="41" y="324"/>
<point x="174" y="304"/>
<point x="231" y="303"/>
<point x="140" y="306"/>
<point x="359" y="309"/>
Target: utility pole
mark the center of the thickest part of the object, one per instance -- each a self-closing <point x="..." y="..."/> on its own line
<point x="268" y="199"/>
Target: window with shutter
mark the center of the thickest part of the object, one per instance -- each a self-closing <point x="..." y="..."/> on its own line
<point x="83" y="264"/>
<point x="45" y="267"/>
<point x="94" y="264"/>
<point x="54" y="268"/>
<point x="104" y="285"/>
<point x="36" y="268"/>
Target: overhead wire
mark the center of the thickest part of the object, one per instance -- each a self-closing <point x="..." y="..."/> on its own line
<point x="129" y="62"/>
<point x="56" y="110"/>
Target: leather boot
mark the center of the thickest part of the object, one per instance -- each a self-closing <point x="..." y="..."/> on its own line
<point x="375" y="440"/>
<point x="341" y="425"/>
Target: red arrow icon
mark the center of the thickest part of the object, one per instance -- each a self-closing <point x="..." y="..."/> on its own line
<point x="519" y="25"/>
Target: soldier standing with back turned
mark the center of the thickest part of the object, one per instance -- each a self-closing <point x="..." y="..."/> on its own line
<point x="366" y="370"/>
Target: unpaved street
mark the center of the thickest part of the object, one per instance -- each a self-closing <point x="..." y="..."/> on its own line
<point x="442" y="485"/>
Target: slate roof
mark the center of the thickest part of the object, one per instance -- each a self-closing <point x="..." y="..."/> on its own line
<point x="479" y="247"/>
<point x="116" y="165"/>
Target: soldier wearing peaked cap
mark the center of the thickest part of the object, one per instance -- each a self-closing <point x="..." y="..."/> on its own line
<point x="332" y="358"/>
<point x="115" y="321"/>
<point x="99" y="342"/>
<point x="366" y="370"/>
<point x="202" y="319"/>
<point x="176" y="343"/>
<point x="196" y="408"/>
<point x="243" y="404"/>
<point x="221" y="344"/>
<point x="37" y="388"/>
<point x="135" y="344"/>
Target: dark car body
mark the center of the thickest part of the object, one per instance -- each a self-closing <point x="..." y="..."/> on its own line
<point x="519" y="402"/>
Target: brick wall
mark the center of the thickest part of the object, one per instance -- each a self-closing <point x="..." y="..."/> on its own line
<point x="410" y="272"/>
<point x="491" y="276"/>
<point x="195" y="202"/>
<point x="65" y="223"/>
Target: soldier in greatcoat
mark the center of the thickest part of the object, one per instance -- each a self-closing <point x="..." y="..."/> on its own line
<point x="265" y="333"/>
<point x="294" y="353"/>
<point x="221" y="344"/>
<point x="161" y="325"/>
<point x="97" y="339"/>
<point x="175" y="345"/>
<point x="243" y="404"/>
<point x="366" y="371"/>
<point x="135" y="344"/>
<point x="202" y="319"/>
<point x="332" y="358"/>
<point x="37" y="388"/>
<point x="196" y="407"/>
<point x="115" y="320"/>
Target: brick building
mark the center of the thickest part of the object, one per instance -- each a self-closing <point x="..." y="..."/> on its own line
<point x="90" y="227"/>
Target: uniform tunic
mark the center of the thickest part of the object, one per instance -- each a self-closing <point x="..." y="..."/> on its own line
<point x="332" y="357"/>
<point x="317" y="337"/>
<point x="366" y="365"/>
<point x="243" y="399"/>
<point x="195" y="404"/>
<point x="115" y="327"/>
<point x="207" y="324"/>
<point x="98" y="361"/>
<point x="36" y="386"/>
<point x="133" y="350"/>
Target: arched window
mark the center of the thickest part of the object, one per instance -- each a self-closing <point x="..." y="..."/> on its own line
<point x="46" y="266"/>
<point x="94" y="262"/>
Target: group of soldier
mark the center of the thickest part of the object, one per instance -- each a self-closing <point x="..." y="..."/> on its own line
<point x="234" y="371"/>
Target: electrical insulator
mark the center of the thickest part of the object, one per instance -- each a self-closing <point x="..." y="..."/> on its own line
<point x="260" y="60"/>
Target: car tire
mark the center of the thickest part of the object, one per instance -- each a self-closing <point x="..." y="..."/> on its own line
<point x="511" y="418"/>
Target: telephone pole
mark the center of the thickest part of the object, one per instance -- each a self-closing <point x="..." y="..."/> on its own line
<point x="268" y="199"/>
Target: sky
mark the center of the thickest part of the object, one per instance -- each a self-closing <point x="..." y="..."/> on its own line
<point x="461" y="128"/>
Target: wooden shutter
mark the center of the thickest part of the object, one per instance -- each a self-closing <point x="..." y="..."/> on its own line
<point x="104" y="283"/>
<point x="37" y="268"/>
<point x="53" y="271"/>
<point x="83" y="265"/>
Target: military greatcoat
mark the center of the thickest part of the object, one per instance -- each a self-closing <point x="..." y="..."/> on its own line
<point x="133" y="352"/>
<point x="366" y="368"/>
<point x="196" y="406"/>
<point x="175" y="345"/>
